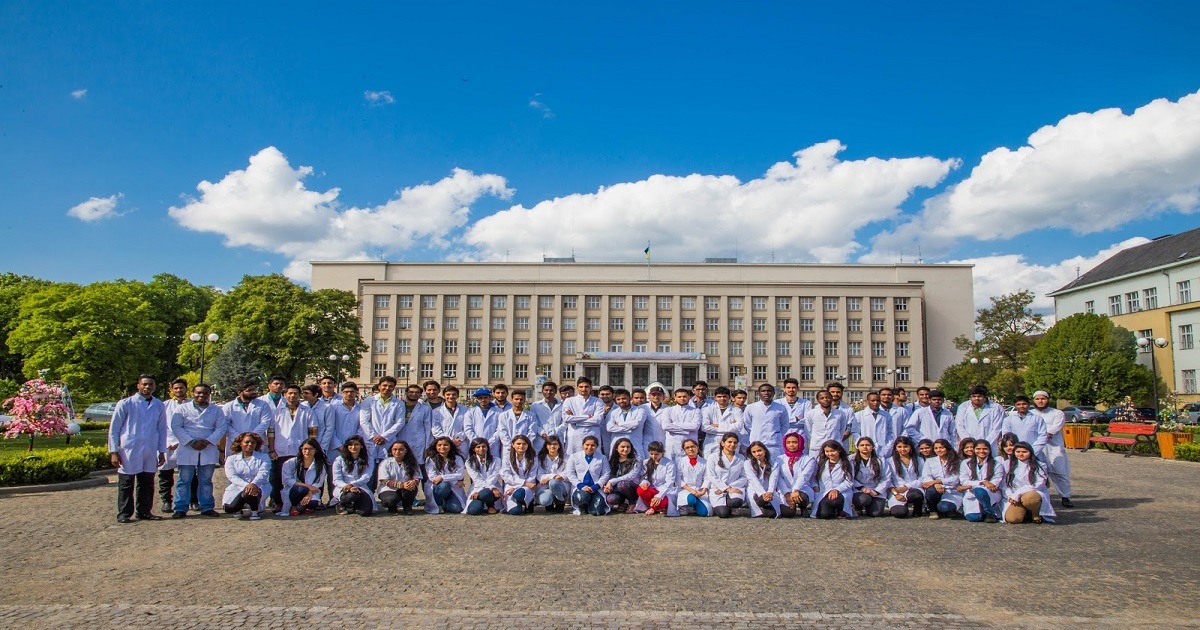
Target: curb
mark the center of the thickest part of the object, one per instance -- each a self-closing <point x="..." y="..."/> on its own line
<point x="98" y="478"/>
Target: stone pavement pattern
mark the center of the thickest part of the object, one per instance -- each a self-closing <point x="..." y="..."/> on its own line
<point x="64" y="561"/>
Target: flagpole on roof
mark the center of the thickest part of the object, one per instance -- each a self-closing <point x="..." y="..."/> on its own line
<point x="647" y="252"/>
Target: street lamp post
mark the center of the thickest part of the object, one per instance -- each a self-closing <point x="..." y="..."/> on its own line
<point x="203" y="339"/>
<point x="1144" y="343"/>
<point x="404" y="370"/>
<point x="979" y="363"/>
<point x="337" y="364"/>
<point x="891" y="372"/>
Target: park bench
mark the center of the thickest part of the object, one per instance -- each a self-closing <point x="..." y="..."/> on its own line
<point x="1136" y="432"/>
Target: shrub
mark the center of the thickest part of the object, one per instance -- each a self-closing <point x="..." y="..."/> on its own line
<point x="57" y="466"/>
<point x="93" y="426"/>
<point x="1189" y="452"/>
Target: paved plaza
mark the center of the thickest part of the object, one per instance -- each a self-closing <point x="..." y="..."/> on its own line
<point x="1126" y="556"/>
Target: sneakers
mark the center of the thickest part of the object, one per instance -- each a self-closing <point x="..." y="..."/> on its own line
<point x="254" y="516"/>
<point x="339" y="509"/>
<point x="933" y="516"/>
<point x="243" y="514"/>
<point x="1066" y="502"/>
<point x="294" y="513"/>
<point x="990" y="519"/>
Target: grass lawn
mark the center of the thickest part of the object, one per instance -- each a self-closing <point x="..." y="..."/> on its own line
<point x="20" y="444"/>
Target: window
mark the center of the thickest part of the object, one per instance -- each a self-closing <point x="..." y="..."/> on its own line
<point x="474" y="301"/>
<point x="497" y="346"/>
<point x="1089" y="307"/>
<point x="568" y="347"/>
<point x="758" y="303"/>
<point x="783" y="324"/>
<point x="854" y="349"/>
<point x="664" y="302"/>
<point x="1147" y="334"/>
<point x="687" y="303"/>
<point x="641" y="302"/>
<point x="616" y="302"/>
<point x="378" y="370"/>
<point x="449" y="370"/>
<point x="712" y="324"/>
<point x="591" y="346"/>
<point x="1184" y="289"/>
<point x="403" y="346"/>
<point x="497" y="323"/>
<point x="404" y="301"/>
<point x="831" y="373"/>
<point x="877" y="304"/>
<point x="830" y="303"/>
<point x="901" y="325"/>
<point x="428" y="323"/>
<point x="499" y="301"/>
<point x="854" y="325"/>
<point x="472" y="371"/>
<point x="759" y="349"/>
<point x="450" y="301"/>
<point x="383" y="301"/>
<point x="380" y="346"/>
<point x="450" y="323"/>
<point x="593" y="301"/>
<point x="1151" y="298"/>
<point x="1189" y="381"/>
<point x="783" y="348"/>
<point x="783" y="372"/>
<point x="639" y="323"/>
<point x="381" y="323"/>
<point x="714" y="373"/>
<point x="807" y="348"/>
<point x="521" y="372"/>
<point x="901" y="304"/>
<point x="474" y="323"/>
<point x="545" y="323"/>
<point x="497" y="371"/>
<point x="806" y="324"/>
<point x="760" y="373"/>
<point x="591" y="323"/>
<point x="451" y="346"/>
<point x="712" y="303"/>
<point x="902" y="349"/>
<point x="404" y="323"/>
<point x="735" y="324"/>
<point x="568" y="323"/>
<point x="569" y="301"/>
<point x="545" y="301"/>
<point x="664" y="323"/>
<point x="830" y="325"/>
<point x="735" y="303"/>
<point x="616" y="323"/>
<point x="426" y="346"/>
<point x="712" y="348"/>
<point x="426" y="370"/>
<point x="1114" y="305"/>
<point x="522" y="301"/>
<point x="614" y="347"/>
<point x="806" y="372"/>
<point x="783" y="303"/>
<point x="806" y="303"/>
<point x="544" y="369"/>
<point x="639" y="347"/>
<point x="831" y="348"/>
<point x="877" y="325"/>
<point x="855" y="373"/>
<point x="428" y="301"/>
<point x="735" y="348"/>
<point x="759" y="324"/>
<point x="687" y="346"/>
<point x="1133" y="301"/>
<point x="545" y="346"/>
<point x="687" y="323"/>
<point x="568" y="372"/>
<point x="1186" y="340"/>
<point x="902" y="373"/>
<point x="853" y="304"/>
<point x="878" y="349"/>
<point x="664" y="347"/>
<point x="521" y="323"/>
<point x="474" y="346"/>
<point x="878" y="373"/>
<point x="521" y="346"/>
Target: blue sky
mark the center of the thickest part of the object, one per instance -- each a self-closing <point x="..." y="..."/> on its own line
<point x="544" y="105"/>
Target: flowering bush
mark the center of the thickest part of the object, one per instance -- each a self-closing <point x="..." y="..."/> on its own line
<point x="37" y="409"/>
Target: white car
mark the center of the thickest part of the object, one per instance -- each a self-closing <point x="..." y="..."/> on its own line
<point x="1193" y="413"/>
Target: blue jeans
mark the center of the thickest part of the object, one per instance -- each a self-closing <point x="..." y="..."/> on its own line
<point x="985" y="505"/>
<point x="486" y="499"/>
<point x="444" y="497"/>
<point x="296" y="497"/>
<point x="697" y="505"/>
<point x="554" y="491"/>
<point x="183" y="487"/>
<point x="590" y="502"/>
<point x="519" y="499"/>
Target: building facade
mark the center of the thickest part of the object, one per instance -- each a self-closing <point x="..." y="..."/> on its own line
<point x="1153" y="291"/>
<point x="629" y="325"/>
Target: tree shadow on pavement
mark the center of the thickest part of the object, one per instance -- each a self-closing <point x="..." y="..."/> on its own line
<point x="1091" y="510"/>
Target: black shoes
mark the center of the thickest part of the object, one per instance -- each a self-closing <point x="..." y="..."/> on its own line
<point x="1066" y="502"/>
<point x="178" y="514"/>
<point x="124" y="519"/>
<point x="210" y="514"/>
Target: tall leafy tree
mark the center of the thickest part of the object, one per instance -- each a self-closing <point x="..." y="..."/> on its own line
<point x="178" y="304"/>
<point x="12" y="288"/>
<point x="1087" y="359"/>
<point x="231" y="366"/>
<point x="1004" y="330"/>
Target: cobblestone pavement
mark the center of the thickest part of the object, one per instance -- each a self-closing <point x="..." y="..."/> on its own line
<point x="1124" y="557"/>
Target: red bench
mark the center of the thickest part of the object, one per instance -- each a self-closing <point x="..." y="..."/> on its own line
<point x="1138" y="432"/>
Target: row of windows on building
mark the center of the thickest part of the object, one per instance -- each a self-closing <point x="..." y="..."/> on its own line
<point x="879" y="374"/>
<point x="1186" y="339"/>
<point x="687" y="324"/>
<point x="1146" y="299"/>
<point x="642" y="302"/>
<point x="711" y="348"/>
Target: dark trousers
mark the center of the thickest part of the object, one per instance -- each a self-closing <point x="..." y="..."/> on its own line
<point x="277" y="479"/>
<point x="725" y="511"/>
<point x="393" y="499"/>
<point x="296" y="498"/>
<point x="166" y="488"/>
<point x="868" y="505"/>
<point x="144" y="494"/>
<point x="356" y="502"/>
<point x="243" y="501"/>
<point x="829" y="508"/>
<point x="915" y="505"/>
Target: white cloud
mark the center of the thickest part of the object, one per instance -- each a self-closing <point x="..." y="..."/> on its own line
<point x="79" y="94"/>
<point x="540" y="106"/>
<point x="267" y="206"/>
<point x="1087" y="173"/>
<point x="96" y="209"/>
<point x="798" y="211"/>
<point x="1008" y="273"/>
<point x="380" y="98"/>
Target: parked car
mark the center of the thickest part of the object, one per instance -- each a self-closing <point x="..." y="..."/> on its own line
<point x="1193" y="413"/>
<point x="99" y="412"/>
<point x="1081" y="413"/>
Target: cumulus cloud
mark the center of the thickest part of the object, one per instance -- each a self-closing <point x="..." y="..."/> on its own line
<point x="540" y="106"/>
<point x="804" y="210"/>
<point x="96" y="209"/>
<point x="267" y="206"/>
<point x="380" y="98"/>
<point x="78" y="94"/>
<point x="1089" y="172"/>
<point x="1008" y="273"/>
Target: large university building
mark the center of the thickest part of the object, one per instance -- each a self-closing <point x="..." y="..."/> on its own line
<point x="627" y="324"/>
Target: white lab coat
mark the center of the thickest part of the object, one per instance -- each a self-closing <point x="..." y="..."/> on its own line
<point x="1031" y="428"/>
<point x="760" y="483"/>
<point x="824" y="427"/>
<point x="1054" y="454"/>
<point x="681" y="422"/>
<point x="665" y="482"/>
<point x="578" y="467"/>
<point x="582" y="417"/>
<point x="768" y="424"/>
<point x="453" y="477"/>
<point x="242" y="471"/>
<point x="899" y="417"/>
<point x="797" y="413"/>
<point x="172" y="460"/>
<point x="652" y="430"/>
<point x="933" y="469"/>
<point x="797" y="475"/>
<point x="985" y="427"/>
<point x="483" y="477"/>
<point x="548" y="420"/>
<point x="627" y="423"/>
<point x="965" y="469"/>
<point x="865" y="477"/>
<point x="342" y="424"/>
<point x="392" y="470"/>
<point x="291" y="429"/>
<point x="1020" y="484"/>
<point x="289" y="477"/>
<point x="138" y="432"/>
<point x="725" y="473"/>
<point x="191" y="423"/>
<point x="715" y="422"/>
<point x="516" y="477"/>
<point x="878" y="427"/>
<point x="908" y="476"/>
<point x="417" y="429"/>
<point x="359" y="478"/>
<point x="483" y="423"/>
<point x="509" y="425"/>
<point x="254" y="417"/>
<point x="375" y="418"/>
<point x="548" y="469"/>
<point x="826" y="478"/>
<point x="451" y="424"/>
<point x="695" y="476"/>
<point x="923" y="425"/>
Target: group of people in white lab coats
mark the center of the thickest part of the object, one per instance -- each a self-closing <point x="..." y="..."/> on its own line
<point x="612" y="450"/>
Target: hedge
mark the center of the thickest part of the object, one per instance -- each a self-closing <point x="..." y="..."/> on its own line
<point x="93" y="426"/>
<point x="56" y="466"/>
<point x="1188" y="452"/>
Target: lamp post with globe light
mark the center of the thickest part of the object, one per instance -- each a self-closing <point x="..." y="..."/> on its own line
<point x="203" y="339"/>
<point x="1144" y="343"/>
<point x="979" y="363"/>
<point x="337" y="364"/>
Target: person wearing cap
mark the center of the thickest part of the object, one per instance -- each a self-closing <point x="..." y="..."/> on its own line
<point x="933" y="422"/>
<point x="1055" y="452"/>
<point x="979" y="419"/>
<point x="582" y="415"/>
<point x="482" y="420"/>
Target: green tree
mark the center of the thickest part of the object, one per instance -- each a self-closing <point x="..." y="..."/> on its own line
<point x="1005" y="385"/>
<point x="98" y="337"/>
<point x="957" y="380"/>
<point x="231" y="366"/>
<point x="178" y="304"/>
<point x="12" y="288"/>
<point x="1087" y="359"/>
<point x="1004" y="330"/>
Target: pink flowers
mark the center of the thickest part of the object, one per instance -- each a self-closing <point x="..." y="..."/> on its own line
<point x="38" y="408"/>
